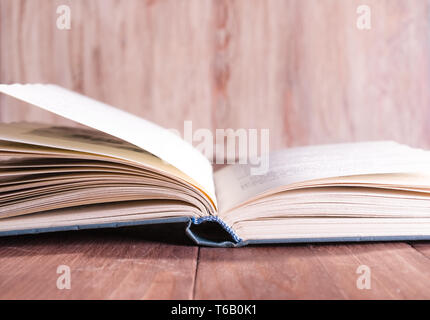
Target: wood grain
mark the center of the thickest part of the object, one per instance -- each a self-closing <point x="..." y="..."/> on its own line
<point x="103" y="265"/>
<point x="398" y="271"/>
<point x="298" y="67"/>
<point x="147" y="57"/>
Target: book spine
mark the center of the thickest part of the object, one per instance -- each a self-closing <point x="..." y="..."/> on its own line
<point x="212" y="231"/>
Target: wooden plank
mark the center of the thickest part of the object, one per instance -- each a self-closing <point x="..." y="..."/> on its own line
<point x="288" y="66"/>
<point x="313" y="272"/>
<point x="103" y="265"/>
<point x="151" y="58"/>
<point x="250" y="61"/>
<point x="270" y="272"/>
<point x="398" y="271"/>
<point x="305" y="71"/>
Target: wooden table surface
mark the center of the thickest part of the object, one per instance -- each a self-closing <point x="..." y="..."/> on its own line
<point x="118" y="265"/>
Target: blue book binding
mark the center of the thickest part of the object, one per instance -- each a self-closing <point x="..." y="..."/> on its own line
<point x="220" y="236"/>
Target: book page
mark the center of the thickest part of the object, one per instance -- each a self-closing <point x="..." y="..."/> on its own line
<point x="146" y="135"/>
<point x="235" y="184"/>
<point x="81" y="143"/>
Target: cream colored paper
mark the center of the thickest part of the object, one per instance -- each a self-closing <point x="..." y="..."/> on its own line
<point x="236" y="185"/>
<point x="137" y="131"/>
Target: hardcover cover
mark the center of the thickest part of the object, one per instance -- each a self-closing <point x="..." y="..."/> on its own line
<point x="212" y="232"/>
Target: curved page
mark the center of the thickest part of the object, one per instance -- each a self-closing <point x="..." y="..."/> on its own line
<point x="128" y="127"/>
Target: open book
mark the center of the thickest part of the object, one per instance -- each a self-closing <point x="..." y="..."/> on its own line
<point x="121" y="170"/>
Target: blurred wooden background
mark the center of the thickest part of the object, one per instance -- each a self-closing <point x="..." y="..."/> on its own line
<point x="298" y="67"/>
